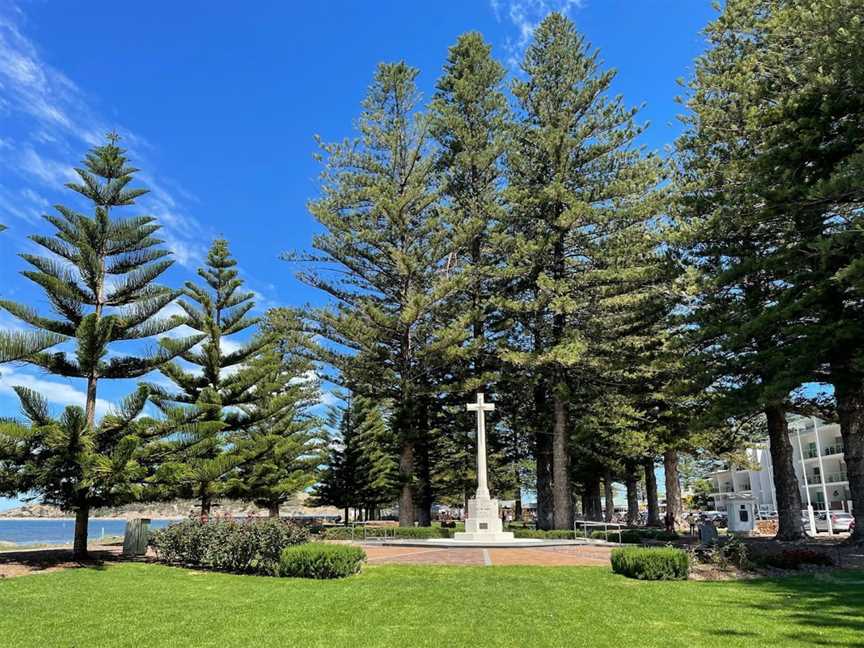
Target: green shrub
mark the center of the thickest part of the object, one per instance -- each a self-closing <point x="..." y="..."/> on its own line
<point x="253" y="546"/>
<point x="345" y="533"/>
<point x="794" y="558"/>
<point x="662" y="563"/>
<point x="635" y="536"/>
<point x="319" y="560"/>
<point x="552" y="534"/>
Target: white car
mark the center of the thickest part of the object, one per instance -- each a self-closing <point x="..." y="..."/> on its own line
<point x="841" y="522"/>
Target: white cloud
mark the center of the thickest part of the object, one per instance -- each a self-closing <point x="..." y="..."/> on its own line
<point x="329" y="399"/>
<point x="59" y="124"/>
<point x="50" y="172"/>
<point x="306" y="377"/>
<point x="56" y="393"/>
<point x="525" y="15"/>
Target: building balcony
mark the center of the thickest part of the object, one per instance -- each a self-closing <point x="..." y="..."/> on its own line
<point x="834" y="478"/>
<point x="832" y="450"/>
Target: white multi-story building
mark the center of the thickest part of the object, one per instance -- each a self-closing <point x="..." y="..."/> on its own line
<point x="817" y="451"/>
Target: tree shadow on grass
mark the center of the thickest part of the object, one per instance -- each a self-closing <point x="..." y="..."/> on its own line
<point x="20" y="563"/>
<point x="812" y="603"/>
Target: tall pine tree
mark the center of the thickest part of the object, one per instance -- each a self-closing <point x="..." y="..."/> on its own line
<point x="99" y="276"/>
<point x="580" y="193"/>
<point x="384" y="256"/>
<point x="217" y="382"/>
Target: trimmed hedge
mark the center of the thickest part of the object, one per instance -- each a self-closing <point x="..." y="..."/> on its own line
<point x="319" y="560"/>
<point x="253" y="546"/>
<point x="344" y="533"/>
<point x="662" y="563"/>
<point x="635" y="536"/>
<point x="552" y="534"/>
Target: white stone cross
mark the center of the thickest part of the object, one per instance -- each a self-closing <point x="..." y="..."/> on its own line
<point x="481" y="408"/>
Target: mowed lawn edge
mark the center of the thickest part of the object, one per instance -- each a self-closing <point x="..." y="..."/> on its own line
<point x="138" y="604"/>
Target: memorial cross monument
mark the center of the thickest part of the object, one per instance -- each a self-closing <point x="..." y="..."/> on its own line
<point x="483" y="522"/>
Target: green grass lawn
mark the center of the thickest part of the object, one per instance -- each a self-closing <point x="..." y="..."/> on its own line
<point x="154" y="606"/>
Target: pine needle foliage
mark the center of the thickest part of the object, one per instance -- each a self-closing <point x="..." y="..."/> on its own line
<point x="99" y="274"/>
<point x="217" y="381"/>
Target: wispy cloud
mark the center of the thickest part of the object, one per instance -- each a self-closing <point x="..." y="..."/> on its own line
<point x="47" y="122"/>
<point x="55" y="392"/>
<point x="524" y="16"/>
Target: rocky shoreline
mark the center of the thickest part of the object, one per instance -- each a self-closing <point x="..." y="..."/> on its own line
<point x="177" y="509"/>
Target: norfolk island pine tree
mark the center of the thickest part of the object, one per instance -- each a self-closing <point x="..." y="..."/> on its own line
<point x="99" y="277"/>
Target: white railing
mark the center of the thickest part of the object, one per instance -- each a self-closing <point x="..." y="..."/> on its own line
<point x="588" y="523"/>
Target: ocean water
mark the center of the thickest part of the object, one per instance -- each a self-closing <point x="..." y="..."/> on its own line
<point x="61" y="531"/>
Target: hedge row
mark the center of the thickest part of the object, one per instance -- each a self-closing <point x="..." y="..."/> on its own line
<point x="552" y="534"/>
<point x="318" y="560"/>
<point x="656" y="563"/>
<point x="253" y="546"/>
<point x="423" y="533"/>
<point x="795" y="558"/>
<point x="635" y="536"/>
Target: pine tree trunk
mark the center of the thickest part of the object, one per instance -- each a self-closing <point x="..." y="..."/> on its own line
<point x="82" y="520"/>
<point x="673" y="489"/>
<point x="562" y="492"/>
<point x="593" y="507"/>
<point x="785" y="481"/>
<point x="347" y="515"/>
<point x="273" y="509"/>
<point x="543" y="454"/>
<point x="651" y="493"/>
<point x="406" y="473"/>
<point x="632" y="497"/>
<point x="424" y="469"/>
<point x="850" y="408"/>
<point x="206" y="503"/>
<point x="610" y="496"/>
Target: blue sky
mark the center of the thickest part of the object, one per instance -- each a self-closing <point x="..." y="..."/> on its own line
<point x="219" y="102"/>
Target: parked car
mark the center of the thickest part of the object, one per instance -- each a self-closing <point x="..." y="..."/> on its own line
<point x="719" y="518"/>
<point x="841" y="522"/>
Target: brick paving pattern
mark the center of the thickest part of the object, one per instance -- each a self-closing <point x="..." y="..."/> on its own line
<point x="542" y="556"/>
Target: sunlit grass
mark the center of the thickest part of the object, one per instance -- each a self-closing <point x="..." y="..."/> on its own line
<point x="155" y="606"/>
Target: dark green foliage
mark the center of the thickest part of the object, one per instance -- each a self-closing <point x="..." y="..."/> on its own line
<point x="362" y="469"/>
<point x="233" y="394"/>
<point x="321" y="561"/>
<point x="293" y="438"/>
<point x="580" y="242"/>
<point x="796" y="558"/>
<point x="635" y="536"/>
<point x="382" y="256"/>
<point x="551" y="534"/>
<point x="419" y="533"/>
<point x="251" y="547"/>
<point x="663" y="563"/>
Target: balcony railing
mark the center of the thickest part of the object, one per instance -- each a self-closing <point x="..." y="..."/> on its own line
<point x="833" y="450"/>
<point x="832" y="478"/>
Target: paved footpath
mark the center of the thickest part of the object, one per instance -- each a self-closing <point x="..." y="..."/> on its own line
<point x="578" y="555"/>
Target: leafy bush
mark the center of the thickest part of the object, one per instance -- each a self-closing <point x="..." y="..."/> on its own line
<point x="794" y="558"/>
<point x="722" y="553"/>
<point x="319" y="560"/>
<point x="252" y="546"/>
<point x="662" y="563"/>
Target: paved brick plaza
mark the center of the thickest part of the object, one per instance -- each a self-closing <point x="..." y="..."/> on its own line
<point x="548" y="556"/>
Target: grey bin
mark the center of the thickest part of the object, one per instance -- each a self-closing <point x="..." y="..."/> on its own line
<point x="137" y="534"/>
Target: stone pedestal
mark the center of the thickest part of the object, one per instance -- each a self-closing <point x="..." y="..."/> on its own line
<point x="483" y="522"/>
